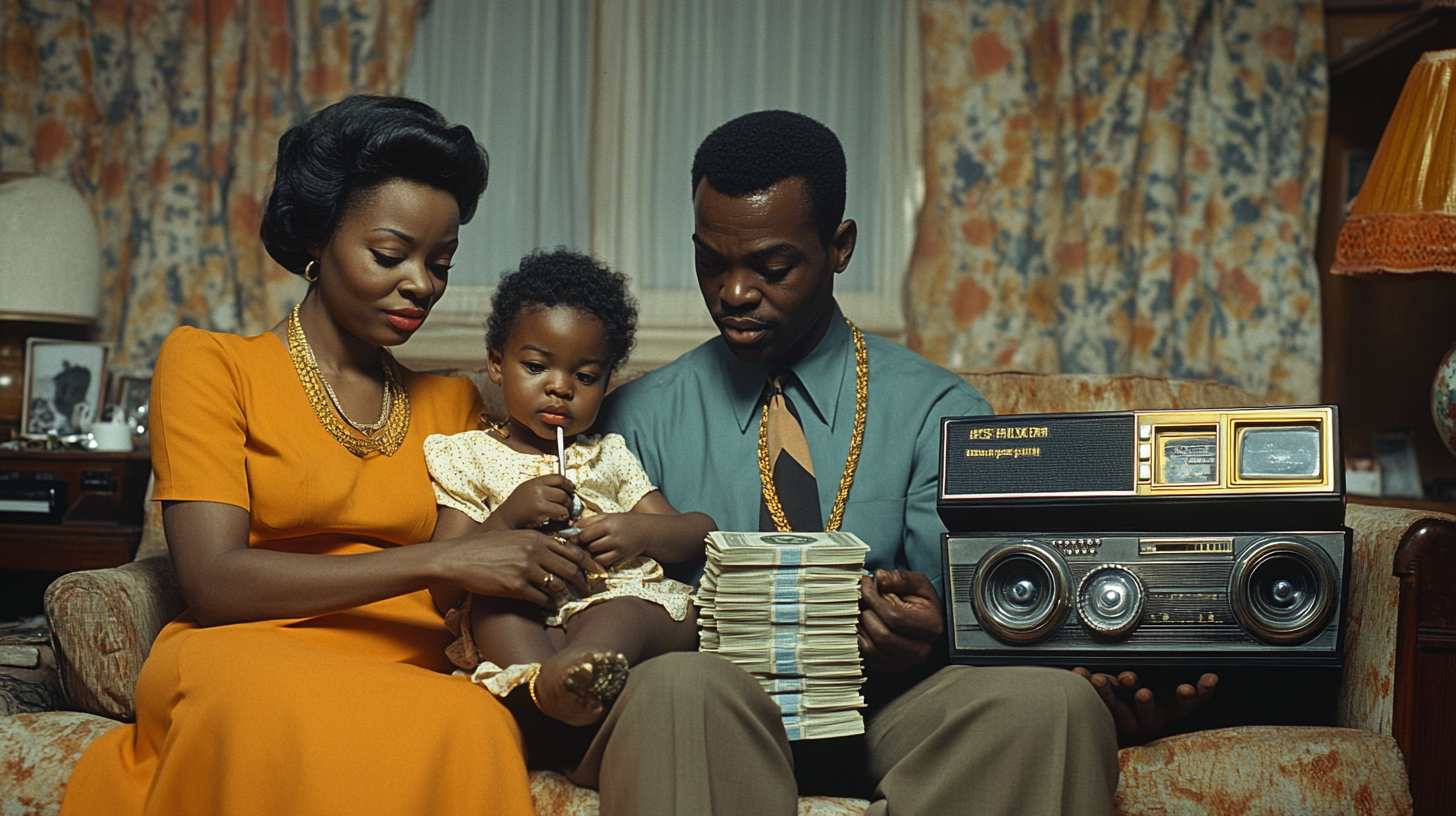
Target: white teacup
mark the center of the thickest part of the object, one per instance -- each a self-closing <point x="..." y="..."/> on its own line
<point x="111" y="436"/>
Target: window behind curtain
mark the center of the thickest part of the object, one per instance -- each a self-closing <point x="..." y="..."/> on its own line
<point x="518" y="73"/>
<point x="591" y="111"/>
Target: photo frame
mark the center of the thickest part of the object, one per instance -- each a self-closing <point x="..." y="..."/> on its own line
<point x="1355" y="166"/>
<point x="133" y="399"/>
<point x="1400" y="470"/>
<point x="65" y="387"/>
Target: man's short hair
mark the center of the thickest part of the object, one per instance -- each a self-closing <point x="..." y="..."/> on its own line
<point x="757" y="150"/>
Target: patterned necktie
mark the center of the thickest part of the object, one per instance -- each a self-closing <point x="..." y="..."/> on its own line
<point x="793" y="470"/>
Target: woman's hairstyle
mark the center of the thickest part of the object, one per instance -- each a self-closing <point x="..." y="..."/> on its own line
<point x="565" y="278"/>
<point x="339" y="155"/>
<point x="758" y="150"/>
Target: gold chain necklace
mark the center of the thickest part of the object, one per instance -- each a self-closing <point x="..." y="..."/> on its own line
<point x="394" y="418"/>
<point x="856" y="442"/>
<point x="361" y="427"/>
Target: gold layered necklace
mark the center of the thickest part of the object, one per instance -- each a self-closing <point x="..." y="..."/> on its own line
<point x="383" y="436"/>
<point x="856" y="442"/>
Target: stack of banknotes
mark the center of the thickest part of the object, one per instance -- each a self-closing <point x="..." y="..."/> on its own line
<point x="784" y="606"/>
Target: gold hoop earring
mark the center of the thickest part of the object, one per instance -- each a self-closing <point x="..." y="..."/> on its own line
<point x="306" y="271"/>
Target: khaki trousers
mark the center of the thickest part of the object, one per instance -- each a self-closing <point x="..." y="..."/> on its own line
<point x="694" y="734"/>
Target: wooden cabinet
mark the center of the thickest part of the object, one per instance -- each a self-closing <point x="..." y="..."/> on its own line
<point x="101" y="524"/>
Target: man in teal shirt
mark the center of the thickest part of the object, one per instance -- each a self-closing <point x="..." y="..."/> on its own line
<point x="694" y="424"/>
<point x="692" y="733"/>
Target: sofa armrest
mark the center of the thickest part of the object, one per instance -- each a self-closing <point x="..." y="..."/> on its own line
<point x="103" y="623"/>
<point x="1367" y="692"/>
<point x="1425" y="662"/>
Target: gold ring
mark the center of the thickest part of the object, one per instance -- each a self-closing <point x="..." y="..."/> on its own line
<point x="547" y="581"/>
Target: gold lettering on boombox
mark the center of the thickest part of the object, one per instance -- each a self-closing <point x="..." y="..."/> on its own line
<point x="1002" y="453"/>
<point x="1023" y="432"/>
<point x="1187" y="617"/>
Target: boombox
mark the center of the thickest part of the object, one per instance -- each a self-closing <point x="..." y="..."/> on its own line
<point x="1145" y="538"/>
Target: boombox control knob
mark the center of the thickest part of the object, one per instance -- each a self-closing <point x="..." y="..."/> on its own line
<point x="1283" y="593"/>
<point x="1022" y="592"/>
<point x="1110" y="601"/>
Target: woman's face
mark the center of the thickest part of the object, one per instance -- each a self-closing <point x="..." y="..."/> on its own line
<point x="389" y="260"/>
<point x="552" y="372"/>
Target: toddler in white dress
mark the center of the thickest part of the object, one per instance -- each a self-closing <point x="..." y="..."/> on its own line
<point x="559" y="326"/>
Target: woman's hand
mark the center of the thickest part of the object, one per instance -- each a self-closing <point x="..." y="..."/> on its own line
<point x="522" y="564"/>
<point x="535" y="502"/>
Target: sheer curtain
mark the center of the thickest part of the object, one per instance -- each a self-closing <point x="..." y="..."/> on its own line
<point x="518" y="72"/>
<point x="592" y="110"/>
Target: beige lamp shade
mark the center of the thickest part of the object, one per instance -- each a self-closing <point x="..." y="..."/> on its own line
<point x="50" y="255"/>
<point x="1404" y="218"/>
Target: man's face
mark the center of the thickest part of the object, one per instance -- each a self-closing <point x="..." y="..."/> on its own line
<point x="766" y="278"/>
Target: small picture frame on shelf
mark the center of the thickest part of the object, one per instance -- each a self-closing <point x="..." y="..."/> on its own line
<point x="133" y="398"/>
<point x="1400" y="470"/>
<point x="1356" y="166"/>
<point x="64" y="386"/>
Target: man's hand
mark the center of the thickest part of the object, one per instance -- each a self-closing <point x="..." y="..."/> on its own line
<point x="1133" y="707"/>
<point x="899" y="620"/>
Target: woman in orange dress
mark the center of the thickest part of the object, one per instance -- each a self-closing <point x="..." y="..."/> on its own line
<point x="309" y="673"/>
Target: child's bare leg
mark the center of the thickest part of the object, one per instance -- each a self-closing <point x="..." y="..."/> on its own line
<point x="602" y="641"/>
<point x="636" y="628"/>
<point x="508" y="631"/>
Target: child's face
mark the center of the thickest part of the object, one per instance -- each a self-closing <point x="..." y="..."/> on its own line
<point x="553" y="373"/>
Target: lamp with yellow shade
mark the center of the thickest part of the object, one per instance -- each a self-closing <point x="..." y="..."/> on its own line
<point x="1404" y="219"/>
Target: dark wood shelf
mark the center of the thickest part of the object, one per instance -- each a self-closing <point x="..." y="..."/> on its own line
<point x="106" y="497"/>
<point x="66" y="547"/>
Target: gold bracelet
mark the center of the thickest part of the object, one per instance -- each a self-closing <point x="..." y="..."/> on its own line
<point x="531" y="685"/>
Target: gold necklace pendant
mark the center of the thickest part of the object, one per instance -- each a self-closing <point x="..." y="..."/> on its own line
<point x="384" y="436"/>
<point x="856" y="443"/>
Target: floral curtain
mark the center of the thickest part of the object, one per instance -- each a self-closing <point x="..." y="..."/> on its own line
<point x="1127" y="187"/>
<point x="166" y="116"/>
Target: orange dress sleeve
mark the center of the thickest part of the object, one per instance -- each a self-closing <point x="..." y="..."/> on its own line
<point x="199" y="428"/>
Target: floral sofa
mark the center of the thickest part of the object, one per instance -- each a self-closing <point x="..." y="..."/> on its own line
<point x="104" y="622"/>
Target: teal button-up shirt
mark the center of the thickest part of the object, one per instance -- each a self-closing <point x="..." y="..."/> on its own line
<point x="694" y="425"/>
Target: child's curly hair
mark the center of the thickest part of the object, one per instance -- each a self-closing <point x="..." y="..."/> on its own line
<point x="565" y="278"/>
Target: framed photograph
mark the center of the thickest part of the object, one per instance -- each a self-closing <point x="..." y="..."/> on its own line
<point x="1356" y="166"/>
<point x="1400" y="471"/>
<point x="133" y="397"/>
<point x="64" y="386"/>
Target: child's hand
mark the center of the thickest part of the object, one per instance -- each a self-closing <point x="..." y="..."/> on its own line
<point x="536" y="502"/>
<point x="614" y="538"/>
